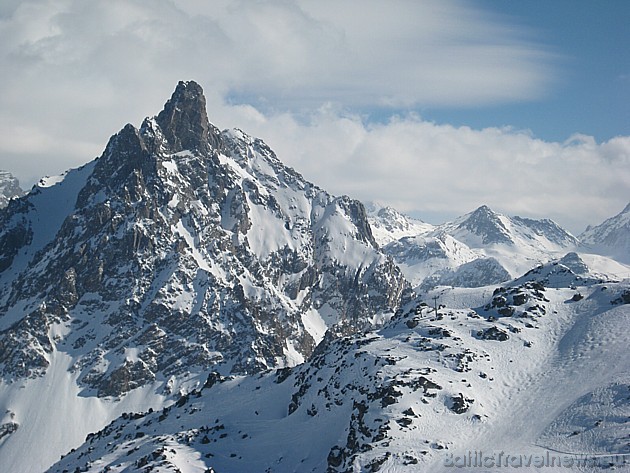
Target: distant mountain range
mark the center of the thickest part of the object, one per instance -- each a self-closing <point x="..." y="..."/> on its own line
<point x="484" y="247"/>
<point x="186" y="302"/>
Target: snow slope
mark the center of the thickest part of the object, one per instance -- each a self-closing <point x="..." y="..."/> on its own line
<point x="534" y="373"/>
<point x="50" y="414"/>
<point x="611" y="237"/>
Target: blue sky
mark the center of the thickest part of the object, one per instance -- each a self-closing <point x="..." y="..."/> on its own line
<point x="590" y="92"/>
<point x="434" y="107"/>
<point x="587" y="68"/>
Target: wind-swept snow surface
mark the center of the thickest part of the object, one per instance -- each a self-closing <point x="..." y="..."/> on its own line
<point x="538" y="373"/>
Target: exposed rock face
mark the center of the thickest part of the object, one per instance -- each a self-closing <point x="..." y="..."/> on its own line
<point x="9" y="188"/>
<point x="487" y="225"/>
<point x="484" y="227"/>
<point x="180" y="249"/>
<point x="184" y="120"/>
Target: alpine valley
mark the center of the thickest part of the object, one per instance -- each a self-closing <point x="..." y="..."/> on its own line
<point x="187" y="303"/>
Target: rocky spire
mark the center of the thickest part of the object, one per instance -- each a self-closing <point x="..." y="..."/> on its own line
<point x="184" y="120"/>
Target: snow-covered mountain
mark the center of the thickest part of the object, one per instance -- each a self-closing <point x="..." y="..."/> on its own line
<point x="428" y="257"/>
<point x="484" y="227"/>
<point x="520" y="373"/>
<point x="611" y="238"/>
<point x="9" y="188"/>
<point x="186" y="302"/>
<point x="181" y="250"/>
<point x="517" y="243"/>
<point x="477" y="249"/>
<point x="389" y="225"/>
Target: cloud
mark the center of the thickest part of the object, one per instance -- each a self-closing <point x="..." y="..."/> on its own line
<point x="64" y="59"/>
<point x="441" y="171"/>
<point x="361" y="54"/>
<point x="304" y="75"/>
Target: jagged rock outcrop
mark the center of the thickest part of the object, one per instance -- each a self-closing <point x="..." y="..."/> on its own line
<point x="9" y="188"/>
<point x="183" y="249"/>
<point x="416" y="395"/>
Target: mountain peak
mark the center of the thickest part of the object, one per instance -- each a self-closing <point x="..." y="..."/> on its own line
<point x="483" y="210"/>
<point x="9" y="188"/>
<point x="487" y="224"/>
<point x="184" y="120"/>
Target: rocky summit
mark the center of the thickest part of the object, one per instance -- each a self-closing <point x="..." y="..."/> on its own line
<point x="179" y="251"/>
<point x="189" y="247"/>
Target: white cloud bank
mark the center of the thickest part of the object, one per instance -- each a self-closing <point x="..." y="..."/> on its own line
<point x="440" y="171"/>
<point x="74" y="71"/>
